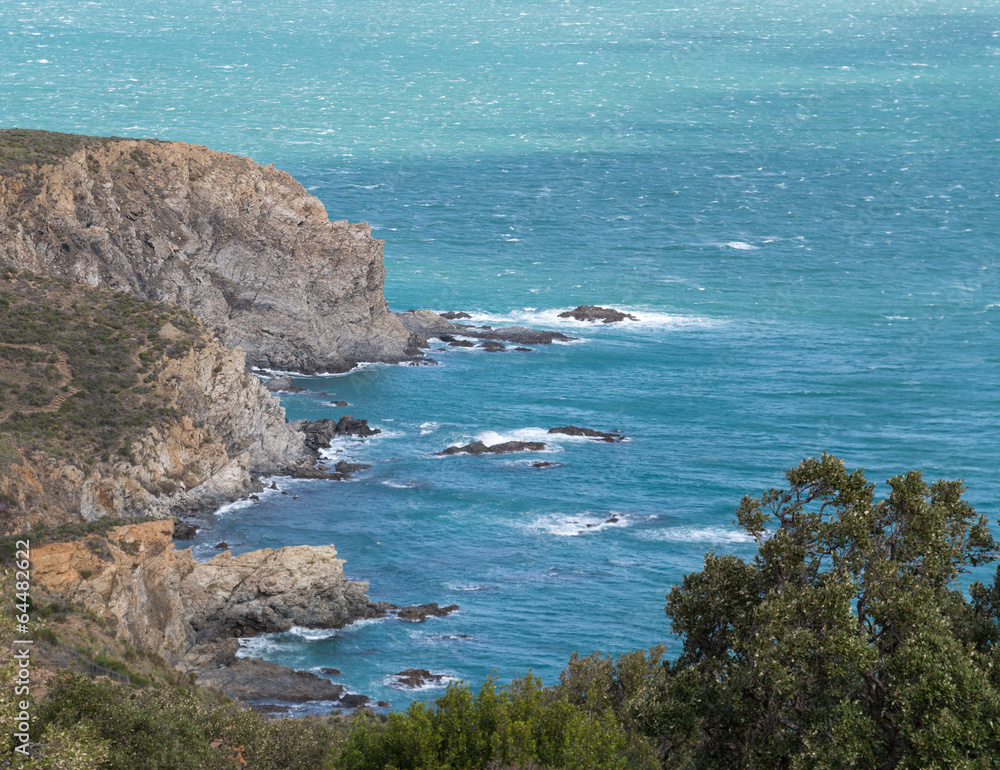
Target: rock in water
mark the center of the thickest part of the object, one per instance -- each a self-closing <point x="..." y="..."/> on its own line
<point x="479" y="448"/>
<point x="572" y="430"/>
<point x="282" y="385"/>
<point x="420" y="612"/>
<point x="606" y="315"/>
<point x="413" y="678"/>
<point x="243" y="246"/>
<point x="451" y="315"/>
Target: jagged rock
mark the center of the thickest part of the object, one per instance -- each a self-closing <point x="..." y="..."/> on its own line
<point x="479" y="448"/>
<point x="330" y="671"/>
<point x="572" y="430"/>
<point x="345" y="467"/>
<point x="337" y="404"/>
<point x="523" y="350"/>
<point x="451" y="315"/>
<point x="517" y="334"/>
<point x="184" y="530"/>
<point x="430" y="324"/>
<point x="243" y="246"/>
<point x="318" y="433"/>
<point x="492" y="347"/>
<point x="307" y="472"/>
<point x="221" y="546"/>
<point x="250" y="679"/>
<point x="348" y="426"/>
<point x="546" y="464"/>
<point x="353" y="700"/>
<point x="413" y="678"/>
<point x="420" y="612"/>
<point x="282" y="385"/>
<point x="592" y="313"/>
<point x="462" y="344"/>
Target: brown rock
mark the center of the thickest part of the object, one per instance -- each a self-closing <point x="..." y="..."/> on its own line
<point x="596" y="313"/>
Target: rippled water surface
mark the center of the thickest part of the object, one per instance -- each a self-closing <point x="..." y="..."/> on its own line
<point x="800" y="204"/>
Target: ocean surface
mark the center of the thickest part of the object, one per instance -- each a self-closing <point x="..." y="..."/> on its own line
<point x="800" y="202"/>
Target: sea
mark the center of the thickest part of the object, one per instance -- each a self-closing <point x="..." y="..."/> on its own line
<point x="799" y="201"/>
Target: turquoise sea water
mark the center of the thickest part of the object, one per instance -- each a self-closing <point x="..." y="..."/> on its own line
<point x="800" y="203"/>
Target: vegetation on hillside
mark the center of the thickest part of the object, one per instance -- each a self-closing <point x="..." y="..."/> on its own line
<point x="846" y="642"/>
<point x="78" y="379"/>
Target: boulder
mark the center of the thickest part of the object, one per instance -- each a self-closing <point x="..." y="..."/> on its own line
<point x="413" y="678"/>
<point x="420" y="612"/>
<point x="593" y="313"/>
<point x="184" y="530"/>
<point x="282" y="385"/>
<point x="479" y="448"/>
<point x="572" y="430"/>
<point x="451" y="315"/>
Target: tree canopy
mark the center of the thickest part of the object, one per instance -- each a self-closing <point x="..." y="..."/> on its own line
<point x="845" y="642"/>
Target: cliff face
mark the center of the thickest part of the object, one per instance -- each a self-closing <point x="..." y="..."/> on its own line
<point x="113" y="406"/>
<point x="164" y="601"/>
<point x="242" y="246"/>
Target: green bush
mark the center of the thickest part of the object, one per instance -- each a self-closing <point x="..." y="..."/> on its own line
<point x="169" y="728"/>
<point x="516" y="725"/>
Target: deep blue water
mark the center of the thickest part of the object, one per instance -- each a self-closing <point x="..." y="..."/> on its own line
<point x="801" y="204"/>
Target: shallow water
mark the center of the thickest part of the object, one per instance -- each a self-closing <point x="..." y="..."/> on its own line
<point x="800" y="204"/>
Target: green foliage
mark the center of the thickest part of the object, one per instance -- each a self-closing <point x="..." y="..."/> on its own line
<point x="75" y="368"/>
<point x="174" y="729"/>
<point x="844" y="643"/>
<point x="518" y="725"/>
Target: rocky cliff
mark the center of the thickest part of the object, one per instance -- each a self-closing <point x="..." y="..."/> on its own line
<point x="242" y="246"/>
<point x="114" y="406"/>
<point x="162" y="600"/>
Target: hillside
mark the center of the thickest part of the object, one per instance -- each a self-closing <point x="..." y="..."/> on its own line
<point x="114" y="405"/>
<point x="242" y="246"/>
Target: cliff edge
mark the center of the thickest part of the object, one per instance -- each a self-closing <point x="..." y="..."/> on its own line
<point x="242" y="246"/>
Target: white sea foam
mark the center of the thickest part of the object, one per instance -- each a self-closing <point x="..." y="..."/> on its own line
<point x="446" y="679"/>
<point x="235" y="505"/>
<point x="740" y="246"/>
<point x="465" y="587"/>
<point x="571" y="525"/>
<point x="549" y="318"/>
<point x="402" y="484"/>
<point x="699" y="535"/>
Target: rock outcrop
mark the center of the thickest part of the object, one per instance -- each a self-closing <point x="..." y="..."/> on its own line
<point x="242" y="246"/>
<point x="573" y="430"/>
<point x="427" y="323"/>
<point x="479" y="448"/>
<point x="593" y="313"/>
<point x="164" y="601"/>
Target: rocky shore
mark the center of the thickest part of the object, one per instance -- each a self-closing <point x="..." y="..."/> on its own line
<point x="192" y="613"/>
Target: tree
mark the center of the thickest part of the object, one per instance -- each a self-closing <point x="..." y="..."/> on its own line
<point x="845" y="642"/>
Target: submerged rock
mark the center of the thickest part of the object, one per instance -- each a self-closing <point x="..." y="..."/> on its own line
<point x="479" y="448"/>
<point x="546" y="464"/>
<point x="593" y="313"/>
<point x="572" y="430"/>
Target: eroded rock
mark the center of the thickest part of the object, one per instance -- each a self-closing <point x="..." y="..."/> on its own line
<point x="479" y="448"/>
<point x="572" y="430"/>
<point x="595" y="313"/>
